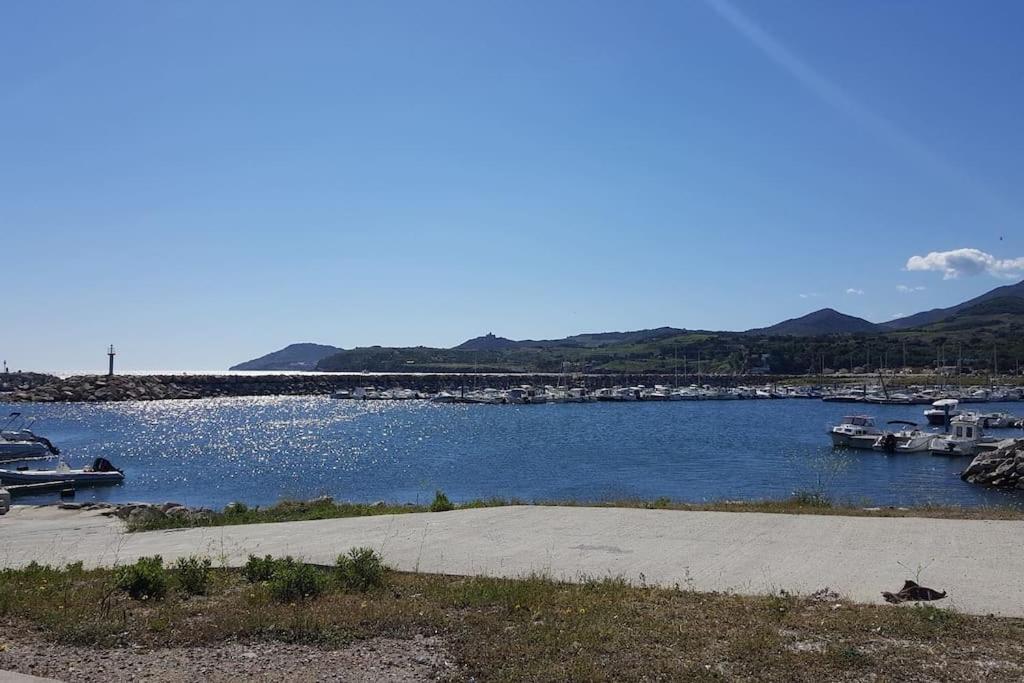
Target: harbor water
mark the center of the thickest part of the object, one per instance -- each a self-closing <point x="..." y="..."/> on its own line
<point x="210" y="452"/>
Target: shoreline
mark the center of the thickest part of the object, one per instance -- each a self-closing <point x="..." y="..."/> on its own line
<point x="147" y="516"/>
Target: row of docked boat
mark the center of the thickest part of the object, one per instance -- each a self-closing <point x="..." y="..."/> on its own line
<point x="919" y="395"/>
<point x="965" y="434"/>
<point x="567" y="394"/>
<point x="528" y="394"/>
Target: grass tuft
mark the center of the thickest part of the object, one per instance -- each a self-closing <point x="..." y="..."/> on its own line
<point x="441" y="503"/>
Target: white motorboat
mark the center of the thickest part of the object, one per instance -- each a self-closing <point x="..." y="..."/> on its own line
<point x="942" y="411"/>
<point x="855" y="431"/>
<point x="100" y="473"/>
<point x="23" y="450"/>
<point x="23" y="432"/>
<point x="579" y="395"/>
<point x="910" y="439"/>
<point x="658" y="393"/>
<point x="997" y="420"/>
<point x="964" y="437"/>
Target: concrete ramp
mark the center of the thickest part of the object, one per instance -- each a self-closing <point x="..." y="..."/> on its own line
<point x="976" y="562"/>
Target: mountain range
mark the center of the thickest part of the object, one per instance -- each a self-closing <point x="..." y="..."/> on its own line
<point x="994" y="318"/>
<point x="937" y="314"/>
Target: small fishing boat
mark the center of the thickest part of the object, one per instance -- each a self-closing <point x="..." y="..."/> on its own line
<point x="964" y="438"/>
<point x="910" y="439"/>
<point x="855" y="431"/>
<point x="100" y="473"/>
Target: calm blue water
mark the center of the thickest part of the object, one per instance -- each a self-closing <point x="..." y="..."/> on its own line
<point x="214" y="451"/>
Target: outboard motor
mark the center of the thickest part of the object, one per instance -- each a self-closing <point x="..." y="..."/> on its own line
<point x="103" y="465"/>
<point x="889" y="443"/>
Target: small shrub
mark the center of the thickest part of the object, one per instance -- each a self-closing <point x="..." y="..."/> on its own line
<point x="146" y="579"/>
<point x="441" y="503"/>
<point x="236" y="508"/>
<point x="193" y="574"/>
<point x="813" y="499"/>
<point x="360" y="570"/>
<point x="259" y="569"/>
<point x="295" y="581"/>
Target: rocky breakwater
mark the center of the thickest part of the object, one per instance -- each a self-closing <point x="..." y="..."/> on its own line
<point x="101" y="388"/>
<point x="23" y="381"/>
<point x="157" y="387"/>
<point x="1002" y="468"/>
<point x="91" y="388"/>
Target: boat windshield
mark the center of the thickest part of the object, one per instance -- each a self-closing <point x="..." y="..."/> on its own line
<point x="857" y="420"/>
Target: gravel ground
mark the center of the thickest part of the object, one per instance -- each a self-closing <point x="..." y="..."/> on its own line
<point x="380" y="659"/>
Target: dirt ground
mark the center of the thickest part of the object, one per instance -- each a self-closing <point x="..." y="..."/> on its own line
<point x="378" y="659"/>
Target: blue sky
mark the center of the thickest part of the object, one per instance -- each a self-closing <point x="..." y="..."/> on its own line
<point x="203" y="182"/>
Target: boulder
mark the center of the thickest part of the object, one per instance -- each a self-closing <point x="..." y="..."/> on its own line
<point x="144" y="515"/>
<point x="1001" y="468"/>
<point x="178" y="511"/>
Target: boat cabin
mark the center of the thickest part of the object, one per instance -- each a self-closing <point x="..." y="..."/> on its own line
<point x="965" y="429"/>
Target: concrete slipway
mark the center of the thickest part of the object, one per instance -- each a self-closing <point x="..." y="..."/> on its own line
<point x="979" y="563"/>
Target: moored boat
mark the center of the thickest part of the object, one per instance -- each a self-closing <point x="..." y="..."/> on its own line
<point x="101" y="472"/>
<point x="910" y="439"/>
<point x="855" y="431"/>
<point x="23" y="450"/>
<point x="964" y="438"/>
<point x="997" y="420"/>
<point x="942" y="411"/>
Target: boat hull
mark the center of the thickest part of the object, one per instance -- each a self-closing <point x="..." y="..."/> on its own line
<point x="12" y="450"/>
<point x="953" y="448"/>
<point x="78" y="477"/>
<point x="860" y="441"/>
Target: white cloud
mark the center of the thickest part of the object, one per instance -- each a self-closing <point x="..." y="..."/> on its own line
<point x="908" y="290"/>
<point x="851" y="290"/>
<point x="956" y="262"/>
<point x="898" y="315"/>
<point x="809" y="295"/>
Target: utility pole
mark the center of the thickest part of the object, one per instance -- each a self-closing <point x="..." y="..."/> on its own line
<point x="110" y="358"/>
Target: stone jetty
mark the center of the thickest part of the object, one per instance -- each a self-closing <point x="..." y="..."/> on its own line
<point x="23" y="381"/>
<point x="1002" y="468"/>
<point x="92" y="388"/>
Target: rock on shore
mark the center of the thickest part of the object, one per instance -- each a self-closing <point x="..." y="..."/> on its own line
<point x="1001" y="468"/>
